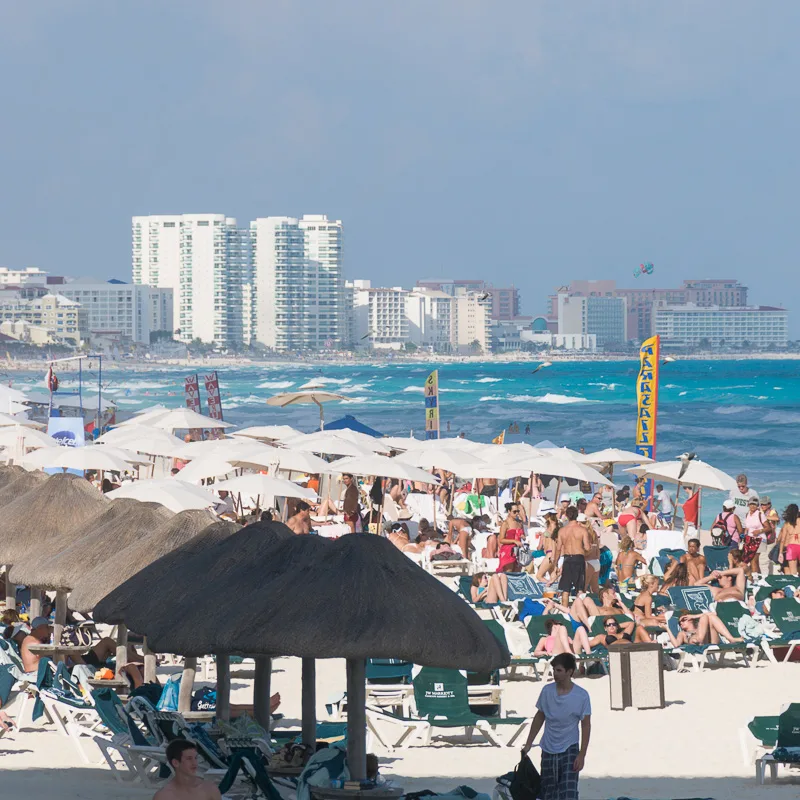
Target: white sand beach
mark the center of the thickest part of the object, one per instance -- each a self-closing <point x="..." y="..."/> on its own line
<point x="689" y="749"/>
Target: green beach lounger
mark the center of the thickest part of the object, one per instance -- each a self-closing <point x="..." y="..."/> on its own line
<point x="786" y="616"/>
<point x="787" y="745"/>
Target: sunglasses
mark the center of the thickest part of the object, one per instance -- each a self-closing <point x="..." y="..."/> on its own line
<point x="611" y="625"/>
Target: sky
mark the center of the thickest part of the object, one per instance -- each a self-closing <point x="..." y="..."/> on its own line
<point x="522" y="142"/>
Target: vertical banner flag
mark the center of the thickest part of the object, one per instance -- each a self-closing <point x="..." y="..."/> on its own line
<point x="192" y="390"/>
<point x="432" y="405"/>
<point x="647" y="400"/>
<point x="212" y="396"/>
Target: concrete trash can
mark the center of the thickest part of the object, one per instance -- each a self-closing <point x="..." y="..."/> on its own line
<point x="636" y="675"/>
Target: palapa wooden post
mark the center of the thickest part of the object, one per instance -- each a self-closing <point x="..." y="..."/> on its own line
<point x="187" y="684"/>
<point x="309" y="702"/>
<point x="122" y="649"/>
<point x="11" y="591"/>
<point x="357" y="718"/>
<point x="149" y="663"/>
<point x="223" y="686"/>
<point x="261" y="691"/>
<point x="35" y="607"/>
<point x="61" y="618"/>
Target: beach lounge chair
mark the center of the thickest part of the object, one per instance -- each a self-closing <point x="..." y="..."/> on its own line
<point x="696" y="599"/>
<point x="716" y="556"/>
<point x="389" y="683"/>
<point x="786" y="616"/>
<point x="787" y="749"/>
<point x="764" y="730"/>
<point x="697" y="656"/>
<point x="460" y="566"/>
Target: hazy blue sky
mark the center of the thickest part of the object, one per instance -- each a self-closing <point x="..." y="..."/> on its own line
<point x="519" y="141"/>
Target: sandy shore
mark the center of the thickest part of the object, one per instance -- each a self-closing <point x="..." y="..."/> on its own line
<point x="689" y="749"/>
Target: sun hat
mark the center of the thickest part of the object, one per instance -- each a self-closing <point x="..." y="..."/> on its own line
<point x="38" y="622"/>
<point x="729" y="505"/>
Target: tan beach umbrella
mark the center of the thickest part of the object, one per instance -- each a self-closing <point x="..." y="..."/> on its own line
<point x="77" y="551"/>
<point x="30" y="523"/>
<point x="267" y="433"/>
<point x="175" y="495"/>
<point x="98" y="582"/>
<point x="316" y="396"/>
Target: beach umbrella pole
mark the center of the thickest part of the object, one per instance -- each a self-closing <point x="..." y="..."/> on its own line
<point x="149" y="663"/>
<point x="357" y="718"/>
<point x="35" y="608"/>
<point x="261" y="691"/>
<point x="675" y="509"/>
<point x="223" y="686"/>
<point x="122" y="647"/>
<point x="187" y="684"/>
<point x="60" y="620"/>
<point x="11" y="591"/>
<point x="309" y="703"/>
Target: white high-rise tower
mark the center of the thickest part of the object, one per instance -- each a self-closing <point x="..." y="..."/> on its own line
<point x="205" y="260"/>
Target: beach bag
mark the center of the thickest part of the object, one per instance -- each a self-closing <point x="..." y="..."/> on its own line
<point x="169" y="694"/>
<point x="524" y="554"/>
<point x="526" y="782"/>
<point x="774" y="554"/>
<point x="204" y="699"/>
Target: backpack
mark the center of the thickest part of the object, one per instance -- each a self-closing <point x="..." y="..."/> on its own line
<point x="524" y="782"/>
<point x="204" y="699"/>
<point x="720" y="535"/>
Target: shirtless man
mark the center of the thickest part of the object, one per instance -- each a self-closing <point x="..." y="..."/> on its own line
<point x="573" y="544"/>
<point x="594" y="508"/>
<point x="695" y="562"/>
<point x="185" y="783"/>
<point x="731" y="584"/>
<point x="301" y="521"/>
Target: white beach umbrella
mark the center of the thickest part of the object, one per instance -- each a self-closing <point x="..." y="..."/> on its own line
<point x="28" y="438"/>
<point x="146" y="416"/>
<point x="329" y="444"/>
<point x="316" y="396"/>
<point x="125" y="455"/>
<point x="382" y="467"/>
<point x="174" y="495"/>
<point x="400" y="442"/>
<point x="11" y="394"/>
<point x="697" y="473"/>
<point x="560" y="467"/>
<point x="450" y="460"/>
<point x="213" y="465"/>
<point x="144" y="439"/>
<point x="268" y="433"/>
<point x="281" y="458"/>
<point x="184" y="419"/>
<point x="6" y="420"/>
<point x="264" y="487"/>
<point x="612" y="455"/>
<point x="363" y="440"/>
<point x="82" y="458"/>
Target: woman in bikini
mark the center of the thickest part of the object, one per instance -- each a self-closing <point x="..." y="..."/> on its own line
<point x="558" y="641"/>
<point x="631" y="519"/>
<point x="643" y="605"/>
<point x="677" y="574"/>
<point x="510" y="535"/>
<point x="789" y="541"/>
<point x="626" y="562"/>
<point x="488" y="588"/>
<point x="549" y="538"/>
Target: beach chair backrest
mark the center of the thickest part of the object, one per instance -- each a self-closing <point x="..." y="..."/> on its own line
<point x="730" y="612"/>
<point x="786" y="615"/>
<point x="668" y="552"/>
<point x="465" y="587"/>
<point x="522" y="585"/>
<point x="441" y="693"/>
<point x="497" y="631"/>
<point x="789" y="726"/>
<point x="779" y="581"/>
<point x="693" y="598"/>
<point x="388" y="670"/>
<point x="536" y="626"/>
<point x="716" y="556"/>
<point x="111" y="711"/>
<point x="765" y="729"/>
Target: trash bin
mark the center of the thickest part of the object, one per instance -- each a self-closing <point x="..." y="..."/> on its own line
<point x="636" y="673"/>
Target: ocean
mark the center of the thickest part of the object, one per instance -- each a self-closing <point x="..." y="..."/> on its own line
<point x="740" y="416"/>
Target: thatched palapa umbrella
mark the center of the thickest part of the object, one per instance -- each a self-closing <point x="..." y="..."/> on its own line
<point x="80" y="549"/>
<point x="219" y="547"/>
<point x="355" y="598"/>
<point x="162" y="540"/>
<point x="33" y="521"/>
<point x="9" y="473"/>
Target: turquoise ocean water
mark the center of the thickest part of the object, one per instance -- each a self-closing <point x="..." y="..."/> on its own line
<point x="737" y="415"/>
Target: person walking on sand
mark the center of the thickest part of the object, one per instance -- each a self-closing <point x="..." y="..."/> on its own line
<point x="186" y="784"/>
<point x="563" y="708"/>
<point x="573" y="544"/>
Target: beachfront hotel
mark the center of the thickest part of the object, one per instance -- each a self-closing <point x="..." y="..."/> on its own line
<point x="298" y="301"/>
<point x="205" y="260"/>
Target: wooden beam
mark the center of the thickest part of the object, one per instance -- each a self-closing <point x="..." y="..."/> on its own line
<point x="261" y="691"/>
<point x="11" y="591"/>
<point x="149" y="663"/>
<point x="309" y="702"/>
<point x="187" y="684"/>
<point x="122" y="649"/>
<point x="223" y="686"/>
<point x="357" y="718"/>
<point x="60" y="621"/>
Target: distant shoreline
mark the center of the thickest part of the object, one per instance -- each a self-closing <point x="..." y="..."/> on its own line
<point x="32" y="365"/>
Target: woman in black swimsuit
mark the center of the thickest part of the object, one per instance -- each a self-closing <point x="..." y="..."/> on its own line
<point x="643" y="605"/>
<point x="616" y="634"/>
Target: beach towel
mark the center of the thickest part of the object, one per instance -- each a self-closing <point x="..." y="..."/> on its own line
<point x="169" y="695"/>
<point x="326" y="765"/>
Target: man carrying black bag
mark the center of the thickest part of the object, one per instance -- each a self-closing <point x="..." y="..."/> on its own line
<point x="561" y="707"/>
